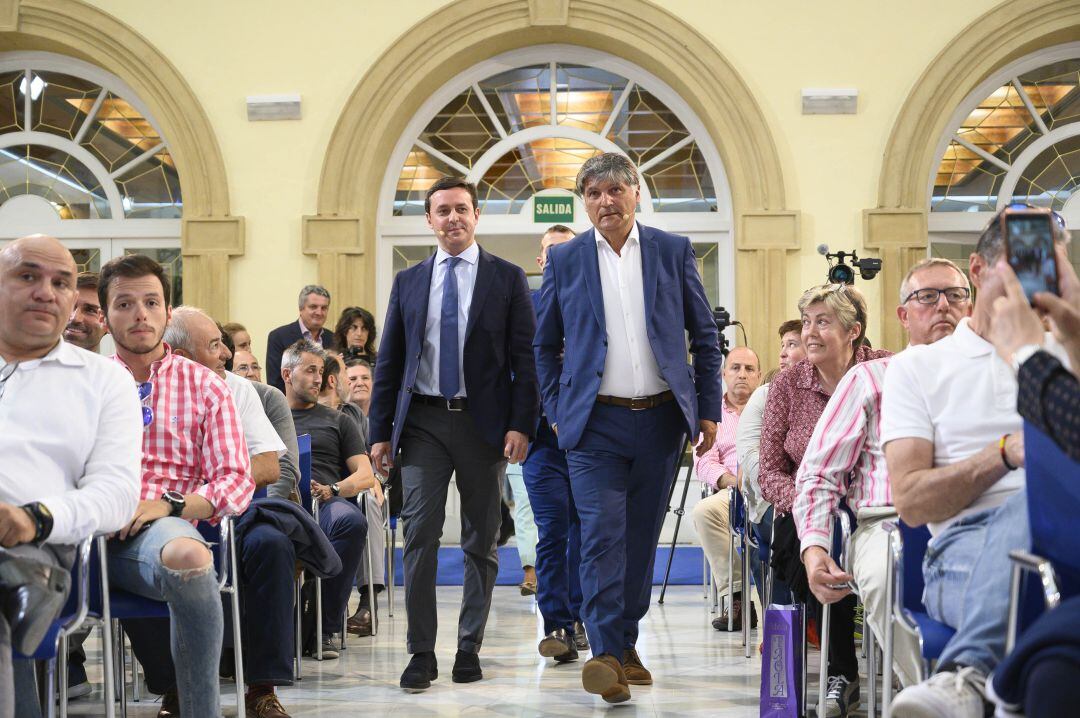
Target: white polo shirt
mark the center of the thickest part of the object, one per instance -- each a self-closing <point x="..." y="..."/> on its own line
<point x="259" y="433"/>
<point x="960" y="395"/>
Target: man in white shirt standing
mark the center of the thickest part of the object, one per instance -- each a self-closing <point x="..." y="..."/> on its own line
<point x="70" y="433"/>
<point x="954" y="445"/>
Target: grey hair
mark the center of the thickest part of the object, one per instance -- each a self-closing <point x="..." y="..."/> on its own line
<point x="178" y="331"/>
<point x="905" y="284"/>
<point x="991" y="243"/>
<point x="290" y="358"/>
<point x="610" y="166"/>
<point x="312" y="289"/>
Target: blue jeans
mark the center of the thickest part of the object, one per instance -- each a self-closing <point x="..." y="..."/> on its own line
<point x="621" y="472"/>
<point x="195" y="614"/>
<point x="558" y="535"/>
<point x="967" y="572"/>
<point x="346" y="527"/>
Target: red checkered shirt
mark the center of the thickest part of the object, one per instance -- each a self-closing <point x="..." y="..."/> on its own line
<point x="195" y="444"/>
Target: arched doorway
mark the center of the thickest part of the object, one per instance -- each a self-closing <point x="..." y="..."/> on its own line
<point x="520" y="125"/>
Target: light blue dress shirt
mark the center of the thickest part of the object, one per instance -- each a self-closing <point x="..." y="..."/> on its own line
<point x="427" y="374"/>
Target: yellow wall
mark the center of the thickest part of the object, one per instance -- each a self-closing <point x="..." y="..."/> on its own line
<point x="321" y="49"/>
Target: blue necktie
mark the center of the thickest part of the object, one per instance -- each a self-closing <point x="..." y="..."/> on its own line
<point x="449" y="383"/>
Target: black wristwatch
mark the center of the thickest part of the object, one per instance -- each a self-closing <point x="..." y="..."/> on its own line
<point x="335" y="489"/>
<point x="42" y="518"/>
<point x="176" y="502"/>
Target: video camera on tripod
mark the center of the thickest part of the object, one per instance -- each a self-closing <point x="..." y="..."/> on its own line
<point x="841" y="272"/>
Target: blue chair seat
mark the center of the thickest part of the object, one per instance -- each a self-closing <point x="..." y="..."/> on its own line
<point x="125" y="604"/>
<point x="934" y="635"/>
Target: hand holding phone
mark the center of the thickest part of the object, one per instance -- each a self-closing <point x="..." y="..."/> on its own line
<point x="1029" y="250"/>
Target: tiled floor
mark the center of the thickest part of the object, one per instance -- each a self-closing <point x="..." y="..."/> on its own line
<point x="698" y="671"/>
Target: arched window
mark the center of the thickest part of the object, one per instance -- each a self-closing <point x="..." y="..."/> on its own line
<point x="82" y="159"/>
<point x="521" y="125"/>
<point x="1016" y="138"/>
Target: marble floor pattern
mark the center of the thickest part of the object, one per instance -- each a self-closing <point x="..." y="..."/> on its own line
<point x="698" y="671"/>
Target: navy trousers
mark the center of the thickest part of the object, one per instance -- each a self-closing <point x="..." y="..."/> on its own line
<point x="558" y="532"/>
<point x="621" y="473"/>
<point x="346" y="526"/>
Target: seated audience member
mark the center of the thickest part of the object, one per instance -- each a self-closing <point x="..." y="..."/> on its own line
<point x="192" y="334"/>
<point x="748" y="445"/>
<point x="833" y="329"/>
<point x="359" y="376"/>
<point x="1049" y="394"/>
<point x="239" y="336"/>
<point x="247" y="366"/>
<point x="53" y="395"/>
<point x="354" y="335"/>
<point x="194" y="467"/>
<point x="314" y="303"/>
<point x="845" y="460"/>
<point x="86" y="326"/>
<point x="340" y="470"/>
<point x="718" y="468"/>
<point x="954" y="445"/>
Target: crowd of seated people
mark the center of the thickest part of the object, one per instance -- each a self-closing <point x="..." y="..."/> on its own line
<point x="932" y="435"/>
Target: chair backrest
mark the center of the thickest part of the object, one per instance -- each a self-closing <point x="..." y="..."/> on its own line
<point x="915" y="543"/>
<point x="303" y="441"/>
<point x="1053" y="489"/>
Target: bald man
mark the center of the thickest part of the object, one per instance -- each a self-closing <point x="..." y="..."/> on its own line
<point x="70" y="433"/>
<point x="718" y="469"/>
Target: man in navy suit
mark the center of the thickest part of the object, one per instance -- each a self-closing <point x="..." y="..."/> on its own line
<point x="618" y="302"/>
<point x="455" y="391"/>
<point x="558" y="545"/>
<point x="314" y="305"/>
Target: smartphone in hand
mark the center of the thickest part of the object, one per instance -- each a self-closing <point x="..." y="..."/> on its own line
<point x="1029" y="249"/>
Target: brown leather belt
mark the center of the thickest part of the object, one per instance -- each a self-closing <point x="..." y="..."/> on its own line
<point x="459" y="403"/>
<point x="639" y="402"/>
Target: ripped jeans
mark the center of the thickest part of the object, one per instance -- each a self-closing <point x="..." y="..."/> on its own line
<point x="194" y="630"/>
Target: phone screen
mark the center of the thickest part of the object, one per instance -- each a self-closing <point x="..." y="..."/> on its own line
<point x="1031" y="252"/>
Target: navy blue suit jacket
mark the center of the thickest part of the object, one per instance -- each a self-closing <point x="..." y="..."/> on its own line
<point x="281" y="339"/>
<point x="500" y="373"/>
<point x="572" y="307"/>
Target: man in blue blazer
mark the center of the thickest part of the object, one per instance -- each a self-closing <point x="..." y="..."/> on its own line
<point x="455" y="391"/>
<point x="619" y="303"/>
<point x="314" y="303"/>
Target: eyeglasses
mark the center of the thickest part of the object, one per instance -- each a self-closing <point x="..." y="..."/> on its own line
<point x="6" y="373"/>
<point x="145" y="390"/>
<point x="928" y="295"/>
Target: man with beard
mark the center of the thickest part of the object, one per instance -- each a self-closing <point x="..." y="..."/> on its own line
<point x="86" y="326"/>
<point x="194" y="467"/>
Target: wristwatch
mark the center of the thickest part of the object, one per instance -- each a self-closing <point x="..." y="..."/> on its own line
<point x="42" y="518"/>
<point x="1022" y="354"/>
<point x="335" y="489"/>
<point x="176" y="502"/>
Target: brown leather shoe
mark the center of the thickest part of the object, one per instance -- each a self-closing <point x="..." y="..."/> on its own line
<point x="636" y="673"/>
<point x="170" y="705"/>
<point x="265" y="705"/>
<point x="603" y="676"/>
<point x="359" y="624"/>
<point x="720" y="623"/>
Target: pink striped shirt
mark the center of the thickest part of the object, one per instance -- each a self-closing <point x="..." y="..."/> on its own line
<point x="844" y="456"/>
<point x="722" y="458"/>
<point x="195" y="444"/>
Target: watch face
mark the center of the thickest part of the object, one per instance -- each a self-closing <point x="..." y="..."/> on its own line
<point x="173" y="497"/>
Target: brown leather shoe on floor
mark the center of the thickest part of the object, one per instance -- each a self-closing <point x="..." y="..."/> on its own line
<point x="265" y="705"/>
<point x="636" y="673"/>
<point x="359" y="624"/>
<point x="170" y="705"/>
<point x="603" y="676"/>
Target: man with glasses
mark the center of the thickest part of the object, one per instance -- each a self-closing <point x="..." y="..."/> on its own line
<point x="194" y="467"/>
<point x="845" y="458"/>
<point x="954" y="447"/>
<point x="69" y="433"/>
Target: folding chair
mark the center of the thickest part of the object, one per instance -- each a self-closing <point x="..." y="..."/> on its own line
<point x="903" y="595"/>
<point x="739" y="523"/>
<point x="708" y="581"/>
<point x="1053" y="495"/>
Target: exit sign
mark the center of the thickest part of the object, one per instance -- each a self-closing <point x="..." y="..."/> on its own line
<point x="553" y="209"/>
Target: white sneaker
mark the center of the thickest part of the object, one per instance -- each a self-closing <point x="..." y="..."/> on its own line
<point x="949" y="694"/>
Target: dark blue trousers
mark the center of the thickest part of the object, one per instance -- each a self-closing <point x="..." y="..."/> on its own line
<point x="621" y="473"/>
<point x="346" y="526"/>
<point x="558" y="534"/>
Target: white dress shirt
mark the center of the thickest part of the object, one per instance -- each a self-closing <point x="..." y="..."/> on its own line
<point x="630" y="368"/>
<point x="71" y="437"/>
<point x="427" y="374"/>
<point x="259" y="433"/>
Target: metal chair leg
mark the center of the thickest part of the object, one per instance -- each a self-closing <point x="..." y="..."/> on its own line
<point x="318" y="619"/>
<point x="871" y="667"/>
<point x="106" y="631"/>
<point x="731" y="581"/>
<point x="344" y="625"/>
<point x="371" y="586"/>
<point x="823" y="671"/>
<point x="299" y="623"/>
<point x="391" y="575"/>
<point x="123" y="670"/>
<point x="805" y="707"/>
<point x="53" y="665"/>
<point x="50" y="688"/>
